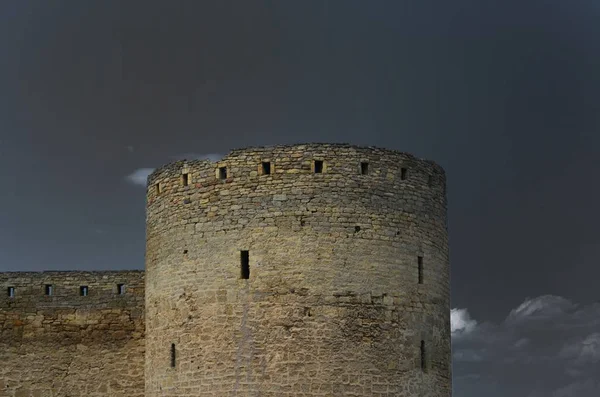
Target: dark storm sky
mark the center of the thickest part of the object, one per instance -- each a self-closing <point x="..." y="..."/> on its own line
<point x="505" y="95"/>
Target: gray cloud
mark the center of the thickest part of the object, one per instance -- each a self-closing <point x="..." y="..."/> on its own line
<point x="583" y="350"/>
<point x="547" y="346"/>
<point x="589" y="387"/>
<point x="546" y="306"/>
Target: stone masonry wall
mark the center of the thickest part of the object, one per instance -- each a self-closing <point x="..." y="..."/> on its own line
<point x="333" y="303"/>
<point x="72" y="345"/>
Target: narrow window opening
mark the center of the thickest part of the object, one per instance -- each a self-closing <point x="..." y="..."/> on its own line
<point x="49" y="290"/>
<point x="245" y="264"/>
<point x="318" y="166"/>
<point x="185" y="180"/>
<point x="423" y="357"/>
<point x="121" y="289"/>
<point x="11" y="292"/>
<point x="302" y="223"/>
<point x="172" y="355"/>
<point x="364" y="168"/>
<point x="403" y="172"/>
<point x="266" y="168"/>
<point x="185" y="252"/>
<point x="429" y="180"/>
<point x="83" y="290"/>
<point x="158" y="191"/>
<point x="222" y="172"/>
<point x="420" y="262"/>
<point x="356" y="229"/>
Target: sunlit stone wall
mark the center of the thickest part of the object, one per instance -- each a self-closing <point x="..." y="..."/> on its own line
<point x="59" y="341"/>
<point x="347" y="288"/>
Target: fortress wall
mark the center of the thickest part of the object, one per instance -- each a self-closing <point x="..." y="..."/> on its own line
<point x="332" y="305"/>
<point x="72" y="345"/>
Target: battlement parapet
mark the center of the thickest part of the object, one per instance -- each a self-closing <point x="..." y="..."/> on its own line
<point x="69" y="288"/>
<point x="285" y="162"/>
<point x="72" y="305"/>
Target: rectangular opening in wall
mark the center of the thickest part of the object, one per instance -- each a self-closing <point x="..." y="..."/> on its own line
<point x="222" y="172"/>
<point x="245" y="264"/>
<point x="185" y="179"/>
<point x="403" y="172"/>
<point x="172" y="355"/>
<point x="48" y="289"/>
<point x="420" y="263"/>
<point x="364" y="168"/>
<point x="318" y="166"/>
<point x="423" y="357"/>
<point x="83" y="290"/>
<point x="10" y="292"/>
<point x="157" y="187"/>
<point x="429" y="180"/>
<point x="266" y="168"/>
<point x="121" y="289"/>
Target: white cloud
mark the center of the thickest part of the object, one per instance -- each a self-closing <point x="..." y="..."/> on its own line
<point x="461" y="322"/>
<point x="140" y="176"/>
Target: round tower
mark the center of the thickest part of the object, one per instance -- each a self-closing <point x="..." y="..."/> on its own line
<point x="301" y="270"/>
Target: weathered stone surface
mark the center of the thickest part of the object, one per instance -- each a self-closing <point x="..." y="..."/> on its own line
<point x="332" y="305"/>
<point x="72" y="345"/>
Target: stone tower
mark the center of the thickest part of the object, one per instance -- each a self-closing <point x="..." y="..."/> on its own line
<point x="302" y="270"/>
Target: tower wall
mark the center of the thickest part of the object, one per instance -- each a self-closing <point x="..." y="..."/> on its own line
<point x="66" y="344"/>
<point x="332" y="306"/>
